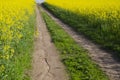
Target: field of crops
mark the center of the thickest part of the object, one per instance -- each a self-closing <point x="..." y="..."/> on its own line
<point x="99" y="20"/>
<point x="17" y="21"/>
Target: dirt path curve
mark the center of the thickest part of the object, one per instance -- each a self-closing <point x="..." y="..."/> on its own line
<point x="104" y="59"/>
<point x="46" y="61"/>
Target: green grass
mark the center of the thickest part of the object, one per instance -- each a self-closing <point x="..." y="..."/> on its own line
<point x="75" y="58"/>
<point x="24" y="51"/>
<point x="19" y="66"/>
<point x="106" y="33"/>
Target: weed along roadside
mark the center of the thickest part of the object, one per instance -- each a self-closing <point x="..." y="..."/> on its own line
<point x="76" y="59"/>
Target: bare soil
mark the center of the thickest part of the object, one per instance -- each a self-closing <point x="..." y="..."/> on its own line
<point x="104" y="59"/>
<point x="46" y="61"/>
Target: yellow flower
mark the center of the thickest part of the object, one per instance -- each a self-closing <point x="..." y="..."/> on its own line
<point x="6" y="48"/>
<point x="2" y="68"/>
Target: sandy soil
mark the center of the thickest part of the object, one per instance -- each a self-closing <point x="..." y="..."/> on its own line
<point x="104" y="59"/>
<point x="46" y="61"/>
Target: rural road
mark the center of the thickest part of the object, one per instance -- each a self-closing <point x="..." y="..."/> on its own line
<point x="104" y="59"/>
<point x="46" y="62"/>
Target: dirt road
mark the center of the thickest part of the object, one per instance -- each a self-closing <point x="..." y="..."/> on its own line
<point x="46" y="62"/>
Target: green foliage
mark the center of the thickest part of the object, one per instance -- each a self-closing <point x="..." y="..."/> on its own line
<point x="75" y="58"/>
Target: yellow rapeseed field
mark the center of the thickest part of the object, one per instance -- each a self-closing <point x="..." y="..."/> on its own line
<point x="99" y="8"/>
<point x="14" y="15"/>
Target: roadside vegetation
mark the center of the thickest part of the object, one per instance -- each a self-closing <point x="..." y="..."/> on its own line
<point x="75" y="58"/>
<point x="17" y="22"/>
<point x="99" y="20"/>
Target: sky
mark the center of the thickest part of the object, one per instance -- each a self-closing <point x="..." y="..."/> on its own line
<point x="40" y="1"/>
